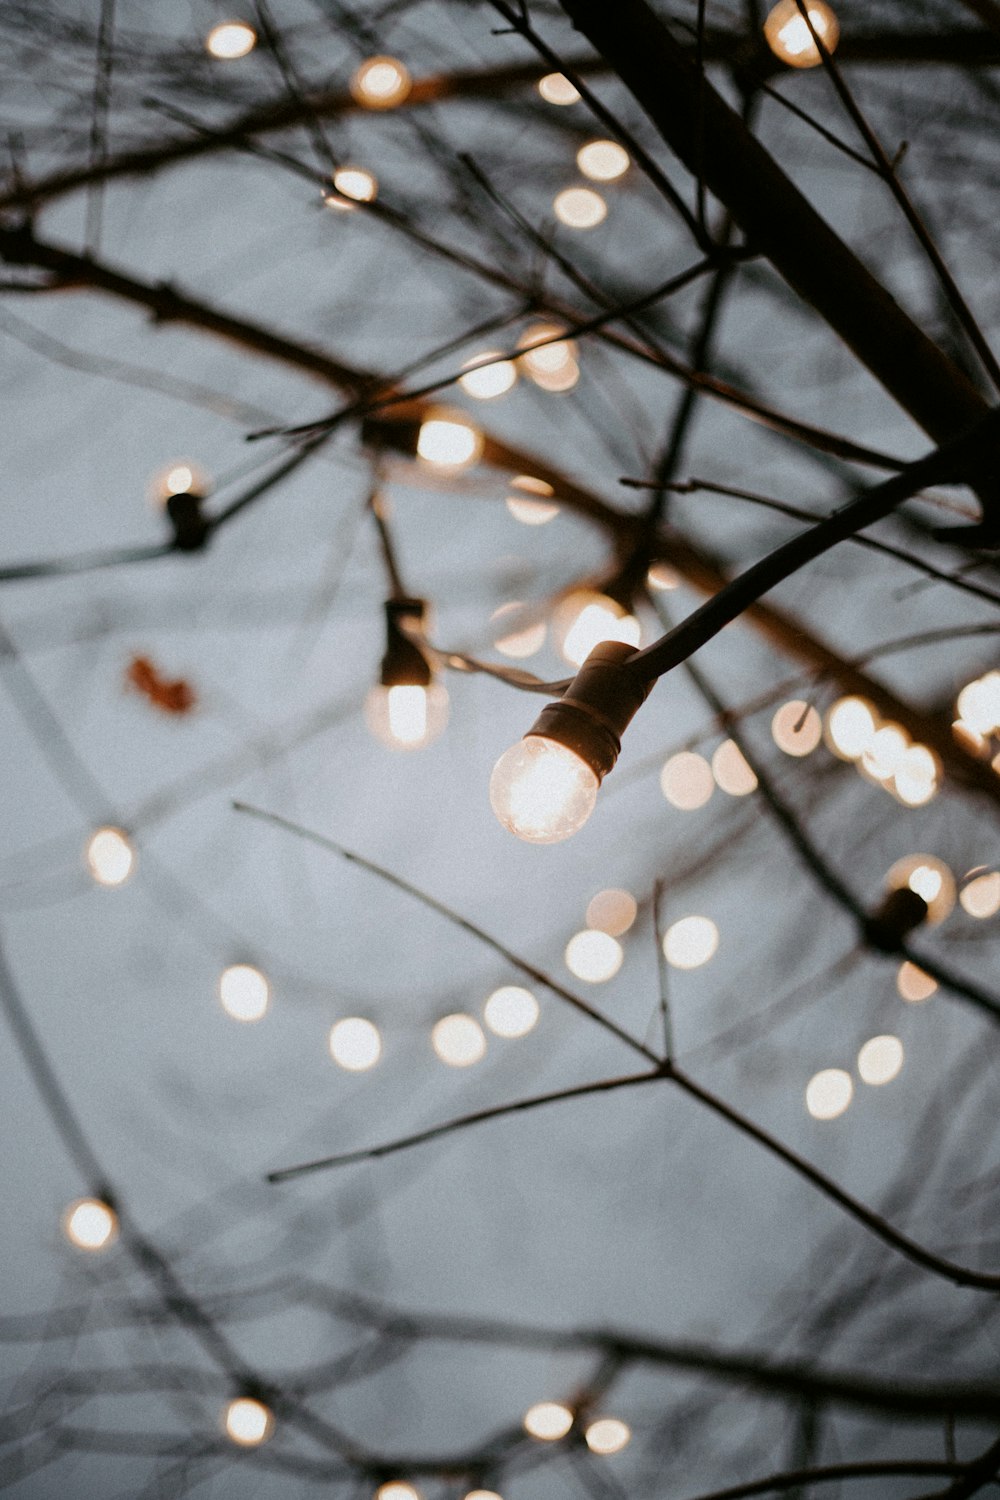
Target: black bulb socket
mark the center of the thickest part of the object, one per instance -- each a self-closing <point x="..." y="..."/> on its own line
<point x="597" y="707"/>
<point x="404" y="663"/>
<point x="901" y="912"/>
<point x="190" y="524"/>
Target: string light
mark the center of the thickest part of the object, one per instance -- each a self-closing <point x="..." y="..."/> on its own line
<point x="980" y="896"/>
<point x="355" y="1044"/>
<point x="244" y="992"/>
<point x="533" y="512"/>
<point x="447" y="440"/>
<point x="407" y="708"/>
<point x="458" y="1040"/>
<point x="585" y="618"/>
<point x="594" y="956"/>
<point x="788" y="35"/>
<point x="612" y="911"/>
<point x="551" y="366"/>
<point x="483" y="1495"/>
<point x="381" y="83"/>
<point x="690" y="942"/>
<point x="230" y="40"/>
<point x="732" y="773"/>
<point x="884" y="756"/>
<point x="519" y="643"/>
<point x="687" y="781"/>
<point x="796" y="728"/>
<point x="880" y="1060"/>
<point x="850" y="727"/>
<point x="511" y="1011"/>
<point x="829" y="1093"/>
<point x="580" y="208"/>
<point x="913" y="984"/>
<point x="351" y="186"/>
<point x="555" y="88"/>
<point x="485" y="381"/>
<point x="548" y="1420"/>
<point x="607" y="1435"/>
<point x="248" y="1422"/>
<point x="90" y="1224"/>
<point x="928" y="878"/>
<point x="979" y="704"/>
<point x="603" y="161"/>
<point x="110" y="856"/>
<point x="397" y="1489"/>
<point x="917" y="777"/>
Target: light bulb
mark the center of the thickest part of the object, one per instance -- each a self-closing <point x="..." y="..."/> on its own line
<point x="690" y="942"/>
<point x="850" y="727"/>
<point x="917" y="776"/>
<point x="579" y="208"/>
<point x="602" y="161"/>
<point x="407" y="716"/>
<point x="351" y="186"/>
<point x="485" y="381"/>
<point x="686" y="781"/>
<point x="557" y="89"/>
<point x="885" y="753"/>
<point x="511" y="1011"/>
<point x="548" y="1420"/>
<point x="519" y="642"/>
<point x="829" y="1093"/>
<point x="731" y="771"/>
<point x="913" y="984"/>
<point x="927" y="877"/>
<point x="90" y="1224"/>
<point x="483" y="1495"/>
<point x="551" y="366"/>
<point x="796" y="728"/>
<point x="397" y="1489"/>
<point x="230" y="40"/>
<point x="381" y="83"/>
<point x="612" y="911"/>
<point x="181" y="477"/>
<point x="979" y="704"/>
<point x="458" y="1040"/>
<point x="534" y="512"/>
<point x="607" y="1435"/>
<point x="594" y="956"/>
<point x="110" y="856"/>
<point x="355" y="1044"/>
<point x="542" y="791"/>
<point x="583" y="619"/>
<point x="449" y="441"/>
<point x="248" y="1422"/>
<point x="789" y="38"/>
<point x="981" y="896"/>
<point x="244" y="992"/>
<point x="880" y="1060"/>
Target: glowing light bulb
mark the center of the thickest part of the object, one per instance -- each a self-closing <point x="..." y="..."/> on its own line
<point x="548" y="1420"/>
<point x="230" y="40"/>
<point x="612" y="911"/>
<point x="511" y="1011"/>
<point x="244" y="992"/>
<point x="691" y="942"/>
<point x="351" y="186"/>
<point x="355" y="1044"/>
<point x="885" y="753"/>
<point x="555" y="88"/>
<point x="110" y="856"/>
<point x="917" y="776"/>
<point x="407" y="716"/>
<point x="485" y="381"/>
<point x="90" y="1224"/>
<point x="789" y="38"/>
<point x="483" y="1495"/>
<point x="534" y="512"/>
<point x="397" y="1489"/>
<point x="583" y="619"/>
<point x="979" y="704"/>
<point x="981" y="896"/>
<point x="686" y="781"/>
<point x="449" y="442"/>
<point x="594" y="956"/>
<point x="929" y="878"/>
<point x="381" y="83"/>
<point x="248" y="1422"/>
<point x="850" y="727"/>
<point x="551" y="366"/>
<point x="829" y="1093"/>
<point x="796" y="728"/>
<point x="182" y="477"/>
<point x="519" y="643"/>
<point x="603" y="161"/>
<point x="731" y="771"/>
<point x="880" y="1060"/>
<point x="579" y="208"/>
<point x="913" y="984"/>
<point x="607" y="1435"/>
<point x="458" y="1040"/>
<point x="542" y="791"/>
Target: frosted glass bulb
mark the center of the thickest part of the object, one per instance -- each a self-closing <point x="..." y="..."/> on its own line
<point x="380" y="83"/>
<point x="408" y="716"/>
<point x="90" y="1224"/>
<point x="110" y="856"/>
<point x="355" y="1044"/>
<point x="829" y="1093"/>
<point x="789" y="38"/>
<point x="230" y="40"/>
<point x="244" y="992"/>
<point x="511" y="1011"/>
<point x="548" y="1420"/>
<point x="542" y="791"/>
<point x="248" y="1422"/>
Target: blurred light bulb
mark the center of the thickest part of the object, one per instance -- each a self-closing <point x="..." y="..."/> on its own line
<point x="788" y="35"/>
<point x="981" y="896"/>
<point x="397" y="1489"/>
<point x="110" y="856"/>
<point x="691" y="942"/>
<point x="407" y="716"/>
<point x="731" y="771"/>
<point x="230" y="40"/>
<point x="548" y="1420"/>
<point x="686" y="781"/>
<point x="607" y="1435"/>
<point x="829" y="1093"/>
<point x="917" y="776"/>
<point x="484" y="381"/>
<point x="579" y="208"/>
<point x="483" y="1495"/>
<point x="796" y="728"/>
<point x="458" y="1040"/>
<point x="381" y="83"/>
<point x="449" y="442"/>
<point x="557" y="89"/>
<point x="979" y="704"/>
<point x="913" y="984"/>
<point x="612" y="911"/>
<point x="518" y="643"/>
<point x="850" y="727"/>
<point x="248" y="1422"/>
<point x="244" y="992"/>
<point x="594" y="956"/>
<point x="90" y="1224"/>
<point x="602" y="161"/>
<point x="661" y="577"/>
<point x="511" y="1011"/>
<point x="884" y="756"/>
<point x="533" y="512"/>
<point x="880" y="1060"/>
<point x="351" y="185"/>
<point x="182" y="477"/>
<point x="583" y="619"/>
<point x="551" y="366"/>
<point x="542" y="791"/>
<point x="929" y="878"/>
<point x="355" y="1044"/>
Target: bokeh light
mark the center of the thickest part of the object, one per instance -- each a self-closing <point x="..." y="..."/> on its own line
<point x="355" y="1044"/>
<point x="690" y="942"/>
<point x="244" y="992"/>
<point x="731" y="771"/>
<point x="230" y="40"/>
<point x="248" y="1422"/>
<point x="548" y="1420"/>
<point x="686" y="781"/>
<point x="458" y="1040"/>
<point x="796" y="728"/>
<point x="90" y="1224"/>
<point x="612" y="911"/>
<point x="880" y="1060"/>
<point x="602" y="161"/>
<point x="110" y="856"/>
<point x="829" y="1093"/>
<point x="607" y="1435"/>
<point x="511" y="1011"/>
<point x="594" y="956"/>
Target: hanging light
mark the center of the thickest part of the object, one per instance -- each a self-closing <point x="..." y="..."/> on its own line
<point x="110" y="856"/>
<point x="244" y="992"/>
<point x="787" y="32"/>
<point x="548" y="1420"/>
<point x="248" y="1422"/>
<point x="408" y="708"/>
<point x="90" y="1224"/>
<point x="580" y="208"/>
<point x="555" y="88"/>
<point x="231" y="40"/>
<point x="380" y="83"/>
<point x="180" y="489"/>
<point x="920" y="888"/>
<point x="584" y="618"/>
<point x="603" y="161"/>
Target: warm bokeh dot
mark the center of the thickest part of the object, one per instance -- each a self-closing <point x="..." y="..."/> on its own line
<point x="594" y="956"/>
<point x="687" y="781"/>
<point x="690" y="942"/>
<point x="612" y="911"/>
<point x="549" y="1420"/>
<point x="913" y="984"/>
<point x="511" y="1011"/>
<point x="829" y="1093"/>
<point x="355" y="1044"/>
<point x="607" y="1435"/>
<point x="458" y="1040"/>
<point x="248" y="1422"/>
<point x="90" y="1224"/>
<point x="797" y="728"/>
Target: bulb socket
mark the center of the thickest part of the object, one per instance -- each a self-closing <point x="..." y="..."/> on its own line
<point x="902" y="911"/>
<point x="597" y="707"/>
<point x="191" y="526"/>
<point x="404" y="663"/>
<point x="397" y="434"/>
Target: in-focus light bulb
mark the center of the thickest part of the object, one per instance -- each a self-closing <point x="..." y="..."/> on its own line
<point x="244" y="992"/>
<point x="110" y="856"/>
<point x="579" y="208"/>
<point x="248" y="1422"/>
<point x="355" y="1044"/>
<point x="788" y="35"/>
<point x="584" y="618"/>
<point x="602" y="161"/>
<point x="381" y="83"/>
<point x="607" y="1435"/>
<point x="548" y="1420"/>
<point x="594" y="956"/>
<point x="90" y="1224"/>
<point x="829" y="1093"/>
<point x="407" y="716"/>
<point x="557" y="89"/>
<point x="230" y="40"/>
<point x="542" y="791"/>
<point x="458" y="1040"/>
<point x="511" y="1011"/>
